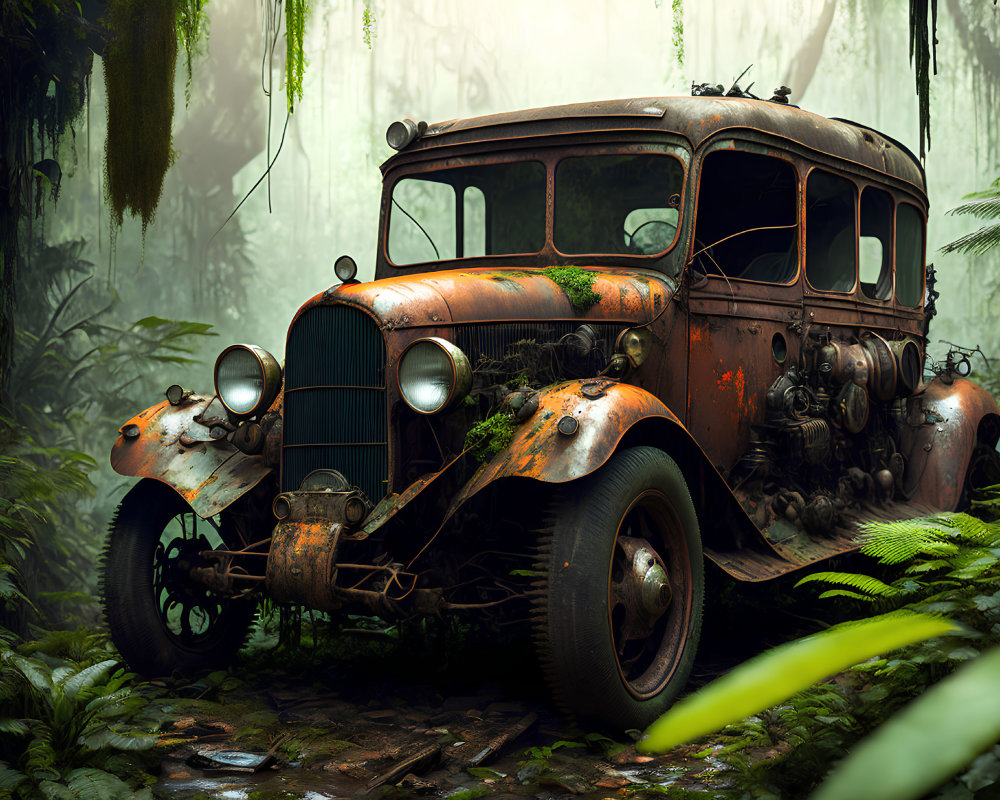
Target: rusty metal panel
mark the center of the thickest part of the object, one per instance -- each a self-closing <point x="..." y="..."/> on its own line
<point x="938" y="439"/>
<point x="695" y="118"/>
<point x="490" y="294"/>
<point x="171" y="447"/>
<point x="301" y="562"/>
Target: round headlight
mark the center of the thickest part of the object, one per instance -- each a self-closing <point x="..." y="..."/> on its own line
<point x="433" y="374"/>
<point x="247" y="379"/>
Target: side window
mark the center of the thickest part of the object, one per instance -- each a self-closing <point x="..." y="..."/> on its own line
<point x="909" y="255"/>
<point x="747" y="217"/>
<point x="875" y="244"/>
<point x="830" y="232"/>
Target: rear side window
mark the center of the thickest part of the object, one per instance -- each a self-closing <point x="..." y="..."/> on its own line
<point x="830" y="232"/>
<point x="909" y="255"/>
<point x="747" y="212"/>
<point x="875" y="244"/>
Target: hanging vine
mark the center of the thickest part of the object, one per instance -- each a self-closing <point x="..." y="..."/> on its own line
<point x="923" y="56"/>
<point x="296" y="12"/>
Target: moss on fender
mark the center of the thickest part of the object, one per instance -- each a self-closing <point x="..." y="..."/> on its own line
<point x="578" y="284"/>
<point x="489" y="436"/>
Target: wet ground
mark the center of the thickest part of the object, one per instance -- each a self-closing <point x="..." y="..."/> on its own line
<point x="364" y="716"/>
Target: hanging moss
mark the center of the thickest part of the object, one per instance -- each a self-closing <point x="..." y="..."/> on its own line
<point x="46" y="56"/>
<point x="139" y="75"/>
<point x="296" y="12"/>
<point x="923" y="52"/>
<point x="577" y="283"/>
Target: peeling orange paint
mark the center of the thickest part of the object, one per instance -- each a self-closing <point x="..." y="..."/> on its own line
<point x="734" y="380"/>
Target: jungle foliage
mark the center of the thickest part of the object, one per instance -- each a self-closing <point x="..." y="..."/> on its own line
<point x="71" y="724"/>
<point x="947" y="576"/>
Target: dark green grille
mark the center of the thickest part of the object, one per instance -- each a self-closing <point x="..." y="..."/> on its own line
<point x="335" y="414"/>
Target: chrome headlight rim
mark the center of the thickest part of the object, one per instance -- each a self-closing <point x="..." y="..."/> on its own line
<point x="269" y="374"/>
<point x="459" y="375"/>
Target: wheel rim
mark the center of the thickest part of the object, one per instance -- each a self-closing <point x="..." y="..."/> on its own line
<point x="650" y="587"/>
<point x="189" y="611"/>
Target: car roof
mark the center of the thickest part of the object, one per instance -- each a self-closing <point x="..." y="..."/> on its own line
<point x="695" y="118"/>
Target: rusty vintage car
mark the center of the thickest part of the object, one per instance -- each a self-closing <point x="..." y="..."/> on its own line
<point x="605" y="343"/>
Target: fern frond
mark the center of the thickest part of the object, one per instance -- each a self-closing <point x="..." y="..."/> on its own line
<point x="977" y="242"/>
<point x="896" y="542"/>
<point x="847" y="593"/>
<point x="871" y="587"/>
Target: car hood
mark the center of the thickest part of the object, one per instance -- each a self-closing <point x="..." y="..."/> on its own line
<point x="497" y="295"/>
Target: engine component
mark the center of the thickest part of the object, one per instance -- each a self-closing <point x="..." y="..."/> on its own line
<point x="807" y="440"/>
<point x="851" y="406"/>
<point x="882" y="372"/>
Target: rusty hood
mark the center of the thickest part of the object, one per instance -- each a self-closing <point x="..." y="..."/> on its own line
<point x="498" y="295"/>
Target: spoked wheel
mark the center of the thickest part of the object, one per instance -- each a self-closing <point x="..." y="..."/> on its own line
<point x="161" y="620"/>
<point x="620" y="612"/>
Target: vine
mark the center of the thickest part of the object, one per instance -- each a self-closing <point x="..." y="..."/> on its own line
<point x="368" y="25"/>
<point x="677" y="7"/>
<point x="923" y="54"/>
<point x="296" y="12"/>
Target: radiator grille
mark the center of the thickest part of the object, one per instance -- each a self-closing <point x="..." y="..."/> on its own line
<point x="335" y="403"/>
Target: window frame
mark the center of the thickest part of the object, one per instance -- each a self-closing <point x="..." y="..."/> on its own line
<point x="855" y="286"/>
<point x="754" y="148"/>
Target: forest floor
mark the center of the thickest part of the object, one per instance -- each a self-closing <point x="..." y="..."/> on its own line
<point x="367" y="717"/>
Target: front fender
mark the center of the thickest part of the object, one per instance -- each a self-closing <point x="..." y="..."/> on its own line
<point x="171" y="447"/>
<point x="944" y="423"/>
<point x="604" y="411"/>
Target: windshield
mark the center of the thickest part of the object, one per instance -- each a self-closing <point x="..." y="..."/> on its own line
<point x="610" y="204"/>
<point x="486" y="210"/>
<point x="617" y="203"/>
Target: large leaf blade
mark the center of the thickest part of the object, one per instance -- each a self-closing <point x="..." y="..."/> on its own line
<point x="776" y="675"/>
<point x="927" y="741"/>
<point x="88" y="677"/>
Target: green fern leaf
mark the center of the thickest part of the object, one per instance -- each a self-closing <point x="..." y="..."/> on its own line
<point x="88" y="783"/>
<point x="9" y="777"/>
<point x="870" y="586"/>
<point x="847" y="593"/>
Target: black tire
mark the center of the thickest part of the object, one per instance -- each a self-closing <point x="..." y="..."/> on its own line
<point x="615" y="649"/>
<point x="161" y="620"/>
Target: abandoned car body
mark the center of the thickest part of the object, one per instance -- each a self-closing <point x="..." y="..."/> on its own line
<point x="605" y="342"/>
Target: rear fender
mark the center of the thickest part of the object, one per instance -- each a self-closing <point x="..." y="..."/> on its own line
<point x="944" y="423"/>
<point x="171" y="447"/>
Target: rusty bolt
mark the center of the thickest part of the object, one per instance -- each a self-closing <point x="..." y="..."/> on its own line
<point x="567" y="425"/>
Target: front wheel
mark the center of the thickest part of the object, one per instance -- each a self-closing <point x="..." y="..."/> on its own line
<point x="619" y="614"/>
<point x="160" y="619"/>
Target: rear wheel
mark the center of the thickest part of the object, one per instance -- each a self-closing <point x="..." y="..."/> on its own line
<point x="160" y="619"/>
<point x="619" y="616"/>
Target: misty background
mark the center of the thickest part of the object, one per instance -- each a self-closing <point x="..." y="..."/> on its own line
<point x="440" y="59"/>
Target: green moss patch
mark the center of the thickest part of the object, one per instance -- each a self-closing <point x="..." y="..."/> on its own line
<point x="489" y="436"/>
<point x="577" y="283"/>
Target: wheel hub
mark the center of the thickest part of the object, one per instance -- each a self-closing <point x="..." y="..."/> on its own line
<point x="643" y="587"/>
